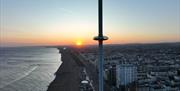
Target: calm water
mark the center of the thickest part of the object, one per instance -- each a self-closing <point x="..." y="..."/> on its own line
<point x="28" y="68"/>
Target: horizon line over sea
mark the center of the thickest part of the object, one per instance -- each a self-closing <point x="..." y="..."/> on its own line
<point x="55" y="46"/>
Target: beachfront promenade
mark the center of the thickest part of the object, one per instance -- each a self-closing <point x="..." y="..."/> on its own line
<point x="68" y="76"/>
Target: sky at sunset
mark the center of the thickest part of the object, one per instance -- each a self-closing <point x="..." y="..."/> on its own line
<point x="61" y="22"/>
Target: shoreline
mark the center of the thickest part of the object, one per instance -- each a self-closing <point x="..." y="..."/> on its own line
<point x="67" y="77"/>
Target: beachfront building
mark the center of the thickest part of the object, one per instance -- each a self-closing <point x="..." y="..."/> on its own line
<point x="126" y="74"/>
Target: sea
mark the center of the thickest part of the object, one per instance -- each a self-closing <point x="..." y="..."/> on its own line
<point x="28" y="68"/>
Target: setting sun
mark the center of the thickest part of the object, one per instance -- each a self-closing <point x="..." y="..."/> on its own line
<point x="78" y="43"/>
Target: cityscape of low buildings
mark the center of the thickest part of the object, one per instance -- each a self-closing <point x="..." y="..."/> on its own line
<point x="148" y="67"/>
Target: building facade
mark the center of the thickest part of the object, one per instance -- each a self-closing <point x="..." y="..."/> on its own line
<point x="125" y="74"/>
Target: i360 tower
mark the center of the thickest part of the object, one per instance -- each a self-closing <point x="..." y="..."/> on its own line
<point x="100" y="38"/>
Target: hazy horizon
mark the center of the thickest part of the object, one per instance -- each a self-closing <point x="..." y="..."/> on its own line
<point x="66" y="22"/>
<point x="84" y="45"/>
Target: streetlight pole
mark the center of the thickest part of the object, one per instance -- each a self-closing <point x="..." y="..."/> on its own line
<point x="100" y="38"/>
